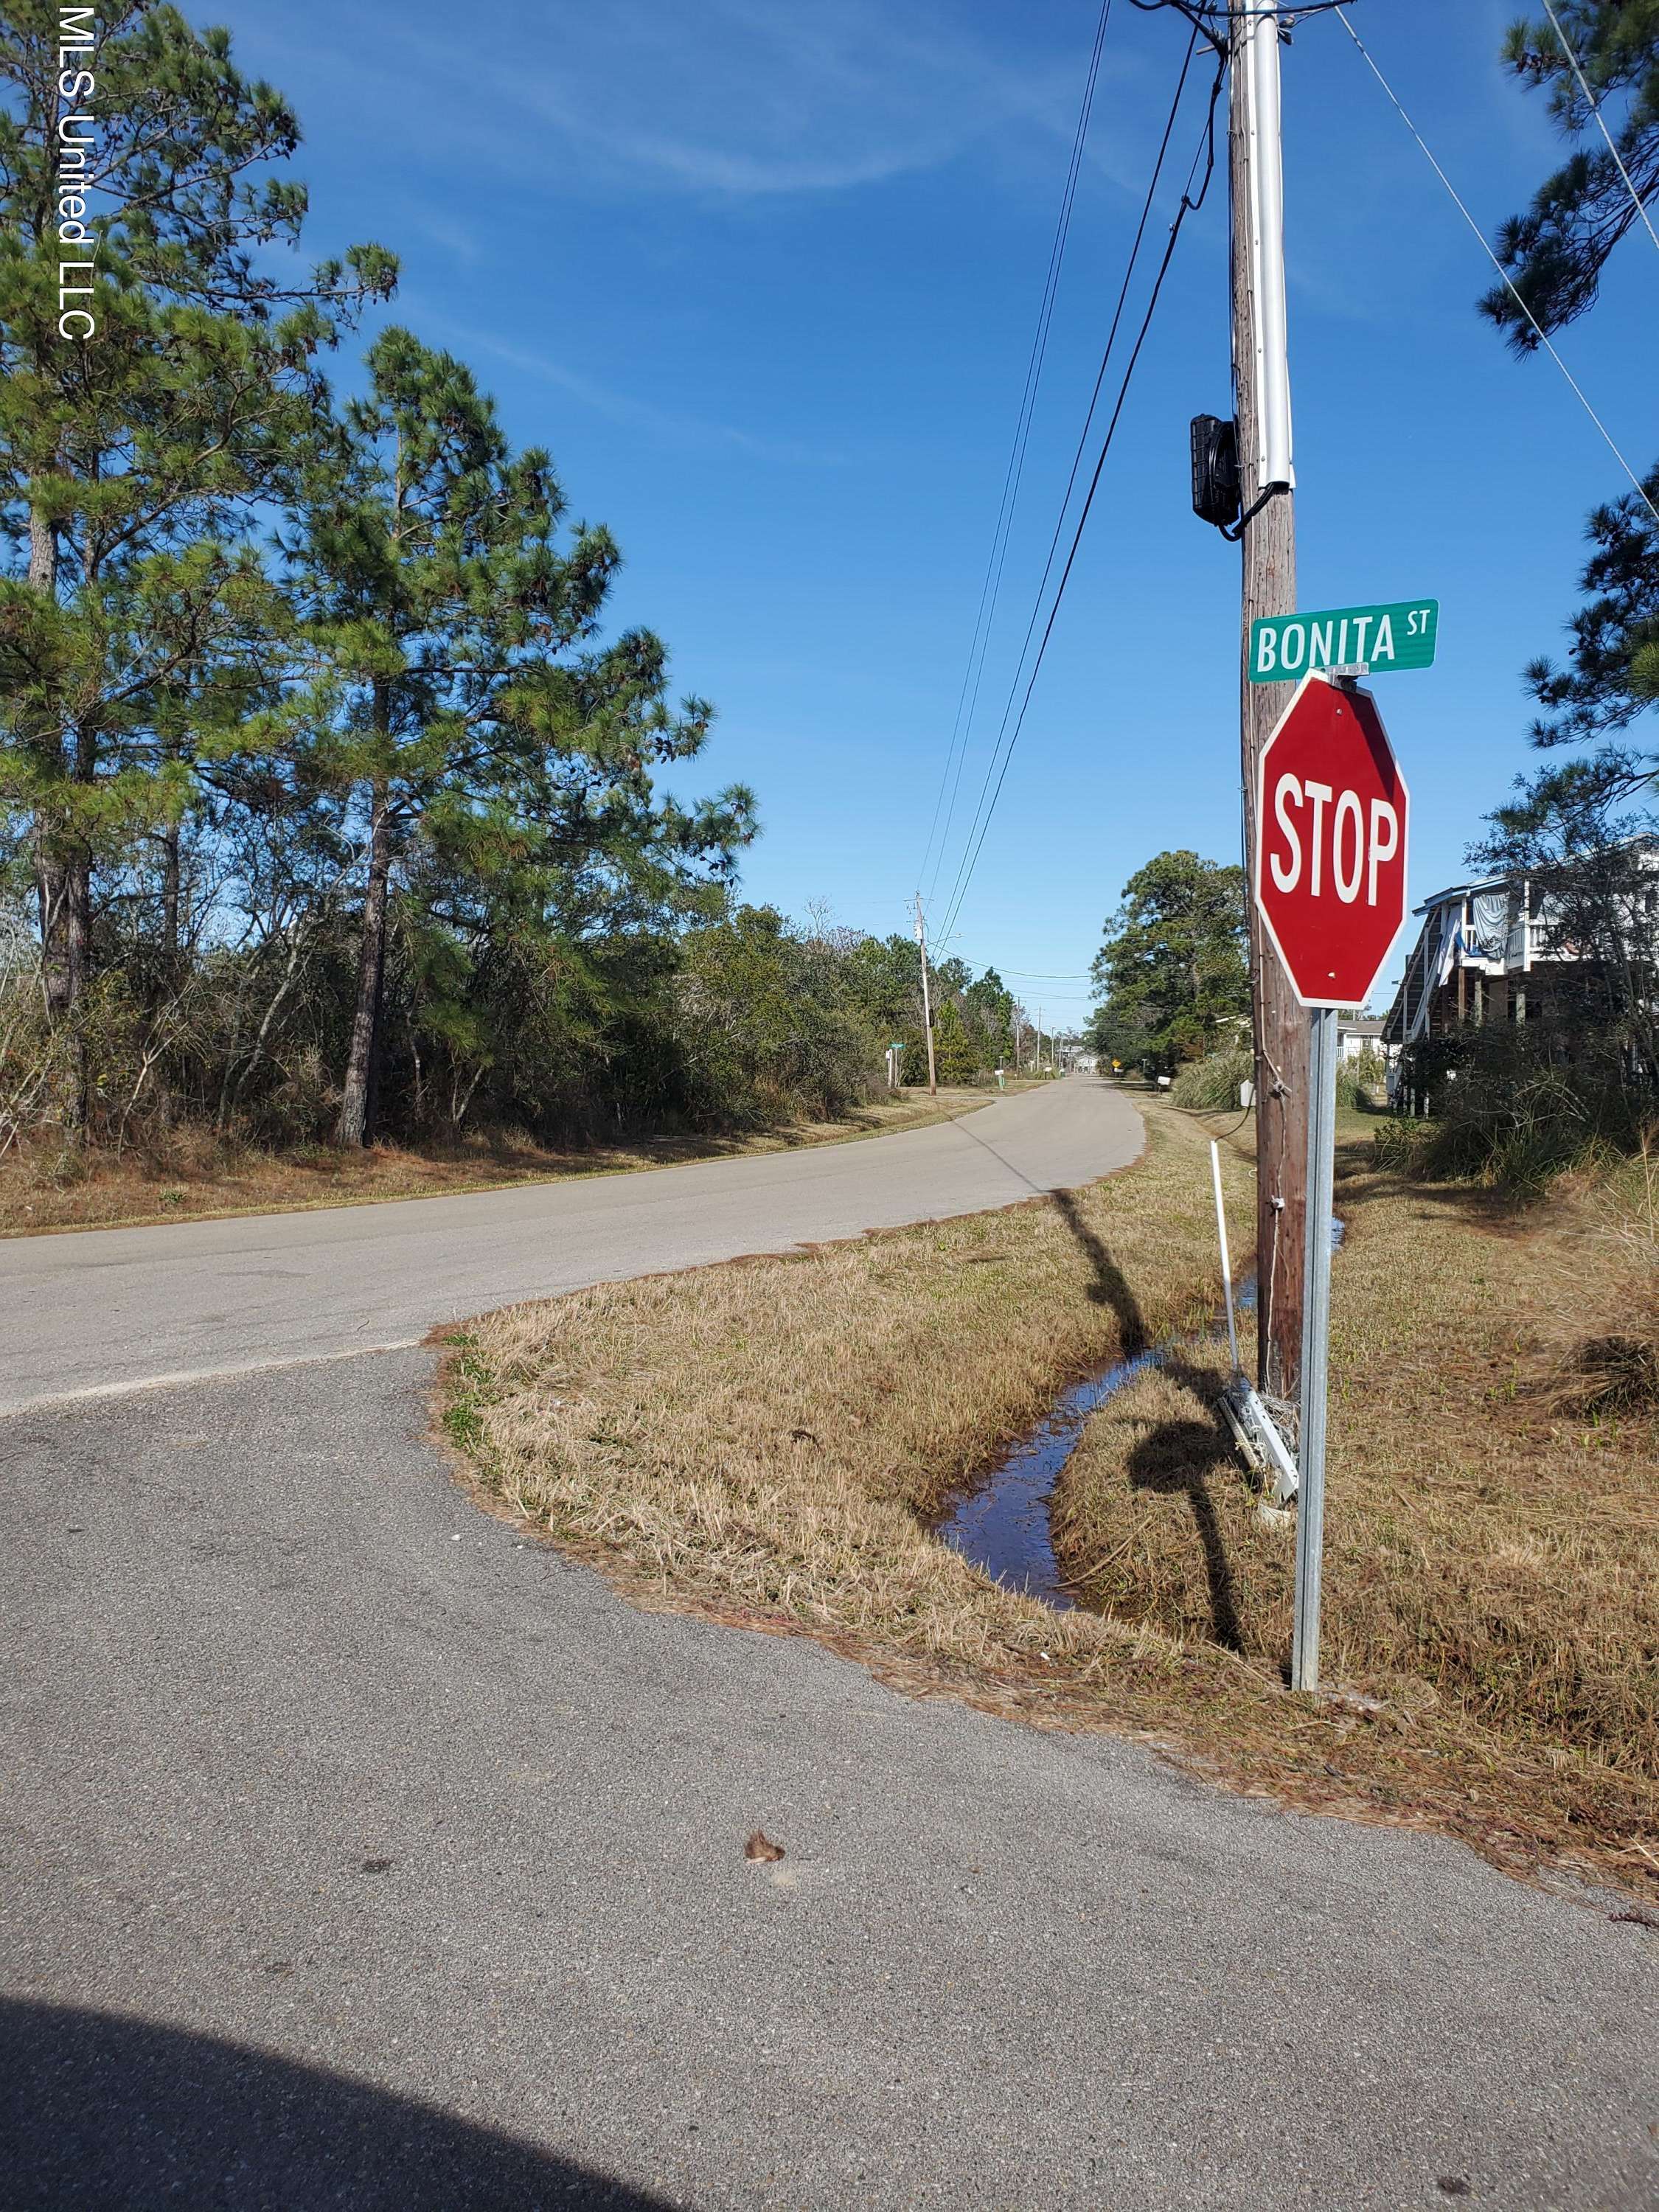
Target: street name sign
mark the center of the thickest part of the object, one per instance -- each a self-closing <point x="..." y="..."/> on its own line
<point x="1375" y="640"/>
<point x="1330" y="842"/>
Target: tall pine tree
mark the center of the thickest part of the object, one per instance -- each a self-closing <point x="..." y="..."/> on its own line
<point x="1554" y="254"/>
<point x="137" y="437"/>
<point x="461" y="700"/>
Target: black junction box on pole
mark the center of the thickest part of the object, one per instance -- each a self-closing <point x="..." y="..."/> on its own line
<point x="1215" y="471"/>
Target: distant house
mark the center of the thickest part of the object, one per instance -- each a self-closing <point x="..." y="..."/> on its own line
<point x="1492" y="950"/>
<point x="1359" y="1034"/>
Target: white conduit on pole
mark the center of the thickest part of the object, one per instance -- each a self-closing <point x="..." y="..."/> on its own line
<point x="1226" y="1263"/>
<point x="1270" y="322"/>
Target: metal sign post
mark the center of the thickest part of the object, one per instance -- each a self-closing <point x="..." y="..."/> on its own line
<point x="1330" y="888"/>
<point x="1316" y="1344"/>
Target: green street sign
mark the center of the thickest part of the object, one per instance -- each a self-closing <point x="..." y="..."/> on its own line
<point x="1283" y="647"/>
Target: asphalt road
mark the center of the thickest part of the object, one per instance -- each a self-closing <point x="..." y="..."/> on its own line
<point x="359" y="1854"/>
<point x="104" y="1309"/>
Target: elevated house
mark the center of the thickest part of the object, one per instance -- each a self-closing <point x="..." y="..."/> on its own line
<point x="1494" y="950"/>
<point x="1473" y="960"/>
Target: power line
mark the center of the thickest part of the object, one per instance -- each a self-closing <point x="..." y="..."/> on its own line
<point x="990" y="590"/>
<point x="1595" y="109"/>
<point x="1028" y="974"/>
<point x="1187" y="204"/>
<point x="1072" y="478"/>
<point x="1642" y="492"/>
<point x="1076" y="458"/>
<point x="1205" y="17"/>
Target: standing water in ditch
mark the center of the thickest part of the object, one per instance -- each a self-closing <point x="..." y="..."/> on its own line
<point x="1001" y="1524"/>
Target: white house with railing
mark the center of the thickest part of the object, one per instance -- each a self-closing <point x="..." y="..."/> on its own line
<point x="1491" y="950"/>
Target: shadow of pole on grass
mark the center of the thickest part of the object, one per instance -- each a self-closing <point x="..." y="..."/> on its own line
<point x="1110" y="1287"/>
<point x="1179" y="1457"/>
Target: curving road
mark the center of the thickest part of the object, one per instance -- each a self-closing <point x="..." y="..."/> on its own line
<point x="359" y="1855"/>
<point x="110" y="1309"/>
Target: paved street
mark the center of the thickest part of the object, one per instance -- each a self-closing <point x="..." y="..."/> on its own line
<point x="360" y="1855"/>
<point x="109" y="1308"/>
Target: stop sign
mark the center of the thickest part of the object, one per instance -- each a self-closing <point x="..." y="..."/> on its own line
<point x="1330" y="844"/>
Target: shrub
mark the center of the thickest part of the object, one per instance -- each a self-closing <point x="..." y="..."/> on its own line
<point x="1214" y="1081"/>
<point x="1516" y="1107"/>
<point x="1362" y="1080"/>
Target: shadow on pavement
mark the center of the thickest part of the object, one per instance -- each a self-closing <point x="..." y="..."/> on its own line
<point x="98" y="2111"/>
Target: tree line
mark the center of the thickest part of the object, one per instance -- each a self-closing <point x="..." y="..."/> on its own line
<point x="330" y="806"/>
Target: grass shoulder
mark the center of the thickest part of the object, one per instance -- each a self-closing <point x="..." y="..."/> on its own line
<point x="772" y="1441"/>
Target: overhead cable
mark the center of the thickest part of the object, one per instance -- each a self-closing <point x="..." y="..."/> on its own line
<point x="1077" y="457"/>
<point x="990" y="589"/>
<point x="1641" y="489"/>
<point x="1204" y="154"/>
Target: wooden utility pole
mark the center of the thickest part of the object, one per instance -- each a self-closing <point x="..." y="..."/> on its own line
<point x="1261" y="385"/>
<point x="927" y="1000"/>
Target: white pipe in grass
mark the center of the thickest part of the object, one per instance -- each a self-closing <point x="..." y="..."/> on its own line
<point x="1226" y="1264"/>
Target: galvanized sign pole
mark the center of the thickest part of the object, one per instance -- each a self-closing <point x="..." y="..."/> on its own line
<point x="1330" y="888"/>
<point x="1315" y="1344"/>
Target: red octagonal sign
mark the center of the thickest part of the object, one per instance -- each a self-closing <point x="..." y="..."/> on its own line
<point x="1330" y="846"/>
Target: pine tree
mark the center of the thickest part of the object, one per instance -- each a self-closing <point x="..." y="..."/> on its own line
<point x="990" y="1008"/>
<point x="1553" y="254"/>
<point x="1613" y="672"/>
<point x="460" y="700"/>
<point x="139" y="427"/>
<point x="955" y="1056"/>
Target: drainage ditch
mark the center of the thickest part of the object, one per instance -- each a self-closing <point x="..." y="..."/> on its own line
<point x="1001" y="1522"/>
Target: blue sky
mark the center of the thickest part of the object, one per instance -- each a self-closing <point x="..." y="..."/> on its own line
<point x="763" y="277"/>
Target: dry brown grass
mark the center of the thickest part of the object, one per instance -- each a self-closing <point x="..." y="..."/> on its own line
<point x="770" y="1440"/>
<point x="195" y="1177"/>
<point x="1492" y="1565"/>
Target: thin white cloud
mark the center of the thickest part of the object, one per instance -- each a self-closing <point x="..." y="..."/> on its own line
<point x="664" y="423"/>
<point x="731" y="98"/>
<point x="457" y="239"/>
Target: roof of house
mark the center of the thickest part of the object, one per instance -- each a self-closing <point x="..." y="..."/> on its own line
<point x="1462" y="890"/>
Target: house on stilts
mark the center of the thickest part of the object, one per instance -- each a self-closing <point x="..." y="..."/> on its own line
<point x="1500" y="949"/>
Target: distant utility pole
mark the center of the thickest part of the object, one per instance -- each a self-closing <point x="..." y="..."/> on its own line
<point x="1266" y="487"/>
<point x="927" y="1000"/>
